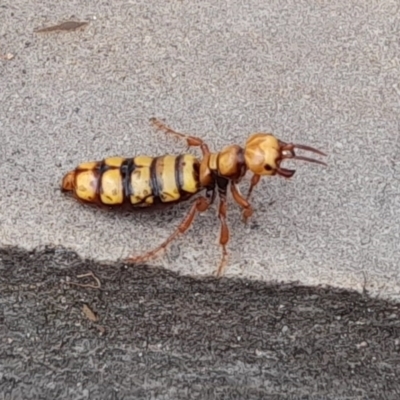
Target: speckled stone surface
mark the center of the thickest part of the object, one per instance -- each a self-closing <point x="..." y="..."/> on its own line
<point x="158" y="335"/>
<point x="324" y="74"/>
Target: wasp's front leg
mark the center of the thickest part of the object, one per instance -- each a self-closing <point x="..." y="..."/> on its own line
<point x="191" y="141"/>
<point x="237" y="196"/>
<point x="254" y="182"/>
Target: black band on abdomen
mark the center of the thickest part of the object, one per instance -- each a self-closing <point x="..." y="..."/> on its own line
<point x="127" y="167"/>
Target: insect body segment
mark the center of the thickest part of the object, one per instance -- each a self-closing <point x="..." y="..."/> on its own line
<point x="144" y="181"/>
<point x="139" y="182"/>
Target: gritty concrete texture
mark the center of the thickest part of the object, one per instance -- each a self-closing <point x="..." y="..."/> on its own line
<point x="320" y="73"/>
<point x="158" y="335"/>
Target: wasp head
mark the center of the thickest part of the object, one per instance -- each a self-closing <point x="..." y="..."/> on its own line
<point x="264" y="154"/>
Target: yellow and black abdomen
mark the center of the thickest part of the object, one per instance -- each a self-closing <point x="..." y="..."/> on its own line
<point x="140" y="181"/>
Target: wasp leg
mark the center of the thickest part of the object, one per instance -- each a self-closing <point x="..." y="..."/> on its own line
<point x="254" y="182"/>
<point x="224" y="235"/>
<point x="201" y="204"/>
<point x="191" y="141"/>
<point x="247" y="208"/>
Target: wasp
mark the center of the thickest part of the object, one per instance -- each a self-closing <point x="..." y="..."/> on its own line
<point x="145" y="182"/>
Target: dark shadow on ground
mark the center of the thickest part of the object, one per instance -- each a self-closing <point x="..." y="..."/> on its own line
<point x="163" y="336"/>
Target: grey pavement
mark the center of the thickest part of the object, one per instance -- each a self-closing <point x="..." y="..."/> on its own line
<point x="322" y="74"/>
<point x="158" y="335"/>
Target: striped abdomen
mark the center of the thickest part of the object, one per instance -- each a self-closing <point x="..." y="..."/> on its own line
<point x="140" y="181"/>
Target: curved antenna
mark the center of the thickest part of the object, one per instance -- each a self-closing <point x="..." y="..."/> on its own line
<point x="303" y="147"/>
<point x="308" y="159"/>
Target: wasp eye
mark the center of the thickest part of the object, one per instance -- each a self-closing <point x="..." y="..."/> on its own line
<point x="267" y="167"/>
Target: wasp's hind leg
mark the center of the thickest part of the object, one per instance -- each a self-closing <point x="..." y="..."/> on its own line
<point x="201" y="204"/>
<point x="191" y="141"/>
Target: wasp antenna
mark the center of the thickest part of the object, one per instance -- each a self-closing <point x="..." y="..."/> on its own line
<point x="303" y="147"/>
<point x="308" y="159"/>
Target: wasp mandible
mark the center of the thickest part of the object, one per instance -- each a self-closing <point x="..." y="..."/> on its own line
<point x="145" y="182"/>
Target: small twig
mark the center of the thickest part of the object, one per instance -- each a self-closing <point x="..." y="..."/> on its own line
<point x="65" y="26"/>
<point x="87" y="285"/>
<point x="6" y="57"/>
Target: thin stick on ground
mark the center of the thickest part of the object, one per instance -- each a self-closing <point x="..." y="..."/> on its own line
<point x="87" y="285"/>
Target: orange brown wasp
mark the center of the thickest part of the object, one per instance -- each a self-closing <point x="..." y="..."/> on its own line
<point x="147" y="182"/>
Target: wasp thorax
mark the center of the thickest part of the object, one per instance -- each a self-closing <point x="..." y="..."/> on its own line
<point x="262" y="154"/>
<point x="230" y="161"/>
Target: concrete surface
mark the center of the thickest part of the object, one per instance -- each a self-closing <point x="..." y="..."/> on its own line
<point x="159" y="335"/>
<point x="320" y="73"/>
